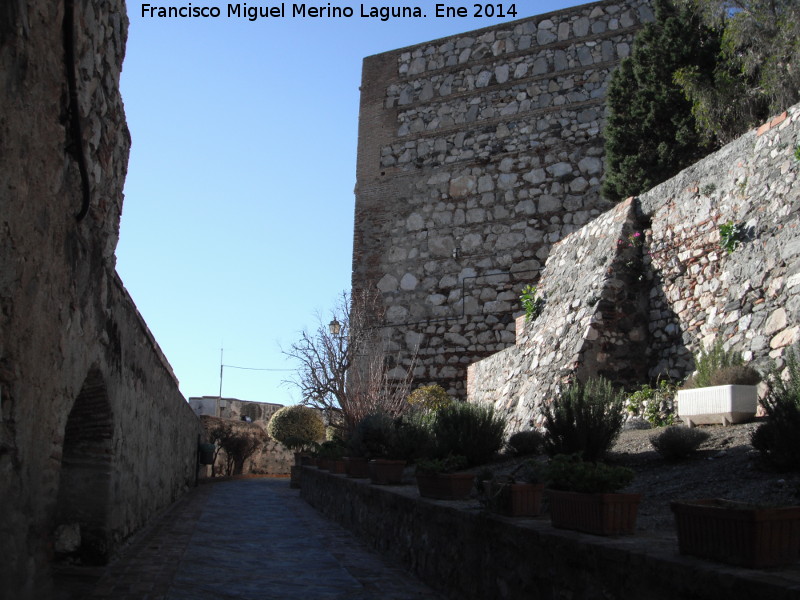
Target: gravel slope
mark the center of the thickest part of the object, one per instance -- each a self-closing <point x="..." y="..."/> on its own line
<point x="725" y="466"/>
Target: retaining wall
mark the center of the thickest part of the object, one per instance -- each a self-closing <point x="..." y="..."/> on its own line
<point x="467" y="554"/>
<point x="663" y="296"/>
<point x="95" y="436"/>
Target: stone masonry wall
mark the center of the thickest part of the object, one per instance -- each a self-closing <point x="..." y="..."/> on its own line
<point x="470" y="554"/>
<point x="476" y="153"/>
<point x="683" y="289"/>
<point x="272" y="459"/>
<point x="750" y="298"/>
<point x="94" y="435"/>
<point x="594" y="321"/>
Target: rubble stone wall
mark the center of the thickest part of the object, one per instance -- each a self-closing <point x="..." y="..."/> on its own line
<point x="749" y="298"/>
<point x="476" y="153"/>
<point x="468" y="553"/>
<point x="682" y="288"/>
<point x="94" y="434"/>
<point x="594" y="321"/>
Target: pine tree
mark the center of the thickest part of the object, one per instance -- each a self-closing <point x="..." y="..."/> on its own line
<point x="650" y="132"/>
<point x="757" y="73"/>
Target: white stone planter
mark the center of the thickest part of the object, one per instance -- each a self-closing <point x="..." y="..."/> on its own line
<point x="723" y="404"/>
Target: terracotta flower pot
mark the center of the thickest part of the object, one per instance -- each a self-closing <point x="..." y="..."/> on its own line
<point x="357" y="467"/>
<point x="338" y="466"/>
<point x="386" y="472"/>
<point x="525" y="500"/>
<point x="738" y="534"/>
<point x="445" y="486"/>
<point x="599" y="514"/>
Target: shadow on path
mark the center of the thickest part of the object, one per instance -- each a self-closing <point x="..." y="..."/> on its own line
<point x="252" y="539"/>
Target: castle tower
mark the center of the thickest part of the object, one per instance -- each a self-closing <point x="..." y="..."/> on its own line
<point x="476" y="153"/>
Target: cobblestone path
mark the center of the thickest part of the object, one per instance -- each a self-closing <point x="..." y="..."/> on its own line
<point x="252" y="539"/>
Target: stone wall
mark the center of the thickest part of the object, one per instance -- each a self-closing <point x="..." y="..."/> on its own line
<point x="751" y="297"/>
<point x="466" y="553"/>
<point x="271" y="458"/>
<point x="94" y="435"/>
<point x="594" y="321"/>
<point x="476" y="153"/>
<point x="682" y="289"/>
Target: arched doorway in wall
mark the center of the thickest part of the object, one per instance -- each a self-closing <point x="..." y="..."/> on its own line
<point x="85" y="483"/>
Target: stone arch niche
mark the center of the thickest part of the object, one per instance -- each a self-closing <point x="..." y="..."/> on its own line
<point x="84" y="487"/>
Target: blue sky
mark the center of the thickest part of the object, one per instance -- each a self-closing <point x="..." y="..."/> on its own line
<point x="237" y="223"/>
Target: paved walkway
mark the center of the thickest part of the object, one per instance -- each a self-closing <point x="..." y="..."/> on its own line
<point x="252" y="539"/>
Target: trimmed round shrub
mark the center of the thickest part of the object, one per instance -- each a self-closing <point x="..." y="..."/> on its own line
<point x="296" y="426"/>
<point x="525" y="443"/>
<point x="469" y="430"/>
<point x="677" y="442"/>
<point x="778" y="442"/>
<point x="429" y="397"/>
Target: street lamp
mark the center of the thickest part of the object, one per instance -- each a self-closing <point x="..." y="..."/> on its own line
<point x="334" y="327"/>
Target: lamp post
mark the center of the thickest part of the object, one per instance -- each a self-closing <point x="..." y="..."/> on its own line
<point x="334" y="327"/>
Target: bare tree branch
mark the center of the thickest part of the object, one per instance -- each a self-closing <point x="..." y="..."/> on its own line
<point x="346" y="374"/>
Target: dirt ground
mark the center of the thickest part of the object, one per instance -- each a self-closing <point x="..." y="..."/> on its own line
<point x="725" y="466"/>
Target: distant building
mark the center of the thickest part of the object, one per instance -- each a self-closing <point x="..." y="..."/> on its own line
<point x="233" y="408"/>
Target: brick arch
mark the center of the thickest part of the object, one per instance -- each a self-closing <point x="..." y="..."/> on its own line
<point x="85" y="482"/>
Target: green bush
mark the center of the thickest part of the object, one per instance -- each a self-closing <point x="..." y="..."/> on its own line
<point x="471" y="430"/>
<point x="372" y="437"/>
<point x="413" y="438"/>
<point x="736" y="375"/>
<point x="296" y="427"/>
<point x="584" y="419"/>
<point x="380" y="435"/>
<point x="525" y="443"/>
<point x="718" y="366"/>
<point x="676" y="442"/>
<point x="778" y="440"/>
<point x="531" y="302"/>
<point x="448" y="464"/>
<point x="571" y="474"/>
<point x="655" y="404"/>
<point x="429" y="397"/>
<point x="331" y="449"/>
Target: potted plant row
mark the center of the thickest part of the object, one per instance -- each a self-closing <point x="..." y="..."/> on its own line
<point x="378" y="440"/>
<point x="330" y="456"/>
<point x="584" y="496"/>
<point x="738" y="533"/>
<point x="444" y="478"/>
<point x="517" y="494"/>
